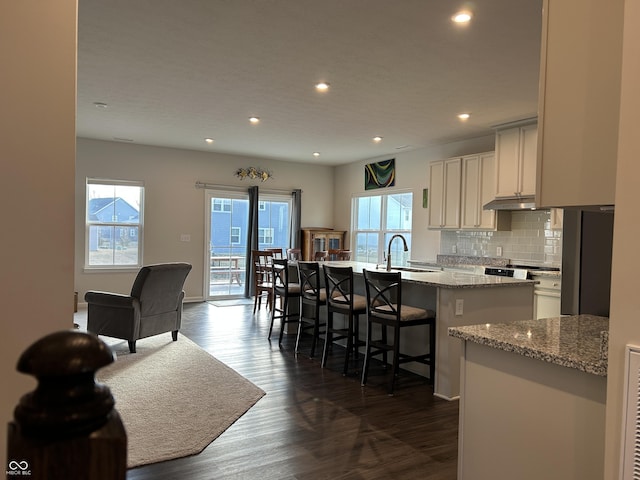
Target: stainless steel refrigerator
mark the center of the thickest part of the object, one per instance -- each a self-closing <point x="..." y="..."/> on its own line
<point x="587" y="243"/>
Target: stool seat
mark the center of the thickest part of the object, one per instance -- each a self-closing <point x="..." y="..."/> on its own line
<point x="407" y="312"/>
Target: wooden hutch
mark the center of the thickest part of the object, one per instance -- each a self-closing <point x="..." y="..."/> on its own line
<point x="318" y="239"/>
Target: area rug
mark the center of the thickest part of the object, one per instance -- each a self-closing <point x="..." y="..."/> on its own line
<point x="174" y="398"/>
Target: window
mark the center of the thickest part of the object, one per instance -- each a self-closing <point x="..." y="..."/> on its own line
<point x="114" y="224"/>
<point x="235" y="235"/>
<point x="262" y="206"/>
<point x="376" y="219"/>
<point x="222" y="205"/>
<point x="265" y="236"/>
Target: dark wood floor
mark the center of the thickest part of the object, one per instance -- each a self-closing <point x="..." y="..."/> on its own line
<point x="313" y="423"/>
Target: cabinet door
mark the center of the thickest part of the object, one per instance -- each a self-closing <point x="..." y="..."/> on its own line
<point x="436" y="194"/>
<point x="487" y="181"/>
<point x="471" y="172"/>
<point x="528" y="149"/>
<point x="508" y="162"/>
<point x="478" y="188"/>
<point x="452" y="179"/>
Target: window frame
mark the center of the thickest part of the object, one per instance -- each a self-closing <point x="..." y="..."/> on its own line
<point x="129" y="226"/>
<point x="261" y="230"/>
<point x="383" y="232"/>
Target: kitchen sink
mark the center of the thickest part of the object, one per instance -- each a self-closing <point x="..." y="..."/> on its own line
<point x="412" y="269"/>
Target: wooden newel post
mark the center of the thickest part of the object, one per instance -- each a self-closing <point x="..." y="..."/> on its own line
<point x="67" y="428"/>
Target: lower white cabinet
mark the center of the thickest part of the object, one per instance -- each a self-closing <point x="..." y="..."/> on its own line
<point x="547" y="296"/>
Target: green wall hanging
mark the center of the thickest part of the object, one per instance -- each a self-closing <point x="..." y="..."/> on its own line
<point x="380" y="174"/>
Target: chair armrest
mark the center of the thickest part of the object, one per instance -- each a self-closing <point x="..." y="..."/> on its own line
<point x="107" y="299"/>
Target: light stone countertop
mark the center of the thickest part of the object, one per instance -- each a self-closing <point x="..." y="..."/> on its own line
<point x="577" y="341"/>
<point x="439" y="278"/>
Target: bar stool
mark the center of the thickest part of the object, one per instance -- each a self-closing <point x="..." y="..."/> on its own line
<point x="312" y="295"/>
<point x="262" y="273"/>
<point x="285" y="290"/>
<point x="338" y="283"/>
<point x="385" y="308"/>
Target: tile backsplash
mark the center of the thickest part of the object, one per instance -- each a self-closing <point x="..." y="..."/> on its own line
<point x="531" y="240"/>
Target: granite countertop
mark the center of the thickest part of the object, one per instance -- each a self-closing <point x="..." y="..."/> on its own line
<point x="439" y="278"/>
<point x="577" y="341"/>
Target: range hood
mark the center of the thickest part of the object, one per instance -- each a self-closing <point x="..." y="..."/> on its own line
<point x="512" y="203"/>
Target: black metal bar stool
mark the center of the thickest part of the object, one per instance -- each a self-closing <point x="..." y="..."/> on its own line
<point x="313" y="296"/>
<point x="283" y="290"/>
<point x="385" y="308"/>
<point x="341" y="299"/>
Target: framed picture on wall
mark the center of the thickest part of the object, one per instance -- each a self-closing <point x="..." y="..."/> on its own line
<point x="380" y="174"/>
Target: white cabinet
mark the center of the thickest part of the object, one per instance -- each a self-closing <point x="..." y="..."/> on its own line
<point x="444" y="193"/>
<point x="547" y="296"/>
<point x="556" y="217"/>
<point x="516" y="161"/>
<point x="579" y="101"/>
<point x="478" y="188"/>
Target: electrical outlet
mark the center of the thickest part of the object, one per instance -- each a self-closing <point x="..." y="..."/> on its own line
<point x="459" y="306"/>
<point x="454" y="249"/>
<point x="499" y="251"/>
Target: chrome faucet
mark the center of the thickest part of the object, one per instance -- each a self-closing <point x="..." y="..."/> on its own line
<point x="406" y="249"/>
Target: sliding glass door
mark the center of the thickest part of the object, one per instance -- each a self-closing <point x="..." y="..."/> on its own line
<point x="227" y="232"/>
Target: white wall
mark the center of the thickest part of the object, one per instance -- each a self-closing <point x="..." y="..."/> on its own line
<point x="37" y="149"/>
<point x="412" y="173"/>
<point x="624" y="326"/>
<point x="173" y="206"/>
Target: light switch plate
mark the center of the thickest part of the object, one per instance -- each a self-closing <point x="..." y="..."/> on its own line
<point x="459" y="306"/>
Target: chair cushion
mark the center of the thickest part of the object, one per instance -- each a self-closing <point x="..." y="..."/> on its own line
<point x="359" y="301"/>
<point x="407" y="313"/>
<point x="322" y="294"/>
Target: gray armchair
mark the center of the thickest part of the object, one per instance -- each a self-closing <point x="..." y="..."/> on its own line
<point x="154" y="306"/>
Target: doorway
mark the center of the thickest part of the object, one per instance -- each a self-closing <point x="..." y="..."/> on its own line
<point x="227" y="232"/>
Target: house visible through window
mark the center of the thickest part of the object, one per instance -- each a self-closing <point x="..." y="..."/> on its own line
<point x="265" y="236"/>
<point x="221" y="204"/>
<point x="235" y="235"/>
<point x="114" y="224"/>
<point x="375" y="220"/>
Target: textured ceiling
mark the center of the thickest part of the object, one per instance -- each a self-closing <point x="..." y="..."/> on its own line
<point x="173" y="72"/>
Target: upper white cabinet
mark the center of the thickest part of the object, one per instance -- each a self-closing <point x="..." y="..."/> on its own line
<point x="478" y="188"/>
<point x="516" y="161"/>
<point x="444" y="193"/>
<point x="458" y="189"/>
<point x="579" y="102"/>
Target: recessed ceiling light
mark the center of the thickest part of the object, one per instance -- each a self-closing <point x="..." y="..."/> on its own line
<point x="464" y="116"/>
<point x="462" y="17"/>
<point x="377" y="139"/>
<point x="254" y="120"/>
<point x="209" y="140"/>
<point x="100" y="105"/>
<point x="322" y="86"/>
<point x="316" y="154"/>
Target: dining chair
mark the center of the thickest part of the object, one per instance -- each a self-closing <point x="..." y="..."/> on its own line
<point x="262" y="278"/>
<point x="284" y="290"/>
<point x="294" y="254"/>
<point x="343" y="255"/>
<point x="338" y="283"/>
<point x="313" y="296"/>
<point x="385" y="309"/>
<point x="277" y="252"/>
<point x="320" y="255"/>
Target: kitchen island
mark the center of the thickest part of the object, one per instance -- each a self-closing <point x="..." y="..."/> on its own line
<point x="458" y="299"/>
<point x="533" y="399"/>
